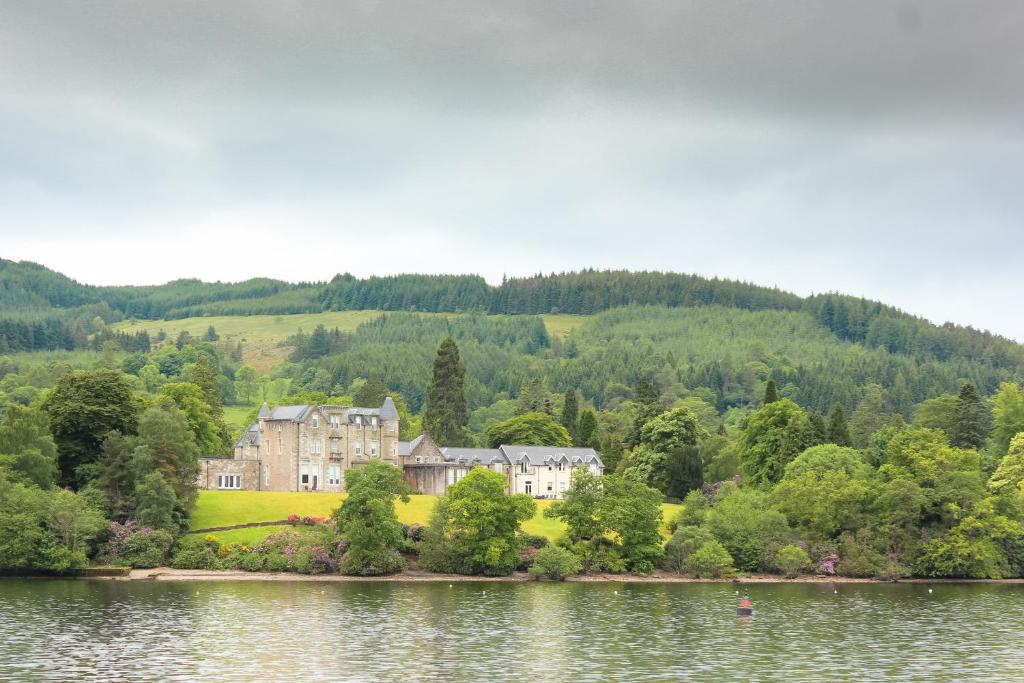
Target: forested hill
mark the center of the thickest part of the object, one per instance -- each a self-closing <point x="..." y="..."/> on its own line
<point x="33" y="298"/>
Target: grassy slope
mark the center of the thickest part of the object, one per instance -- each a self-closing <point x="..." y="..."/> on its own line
<point x="228" y="508"/>
<point x="261" y="334"/>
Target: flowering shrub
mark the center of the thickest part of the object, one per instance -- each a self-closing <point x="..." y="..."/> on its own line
<point x="827" y="564"/>
<point x="305" y="520"/>
<point x="129" y="545"/>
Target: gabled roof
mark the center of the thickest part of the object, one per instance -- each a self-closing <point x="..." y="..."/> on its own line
<point x="484" y="456"/>
<point x="407" y="447"/>
<point x="293" y="413"/>
<point x="542" y="455"/>
<point x="250" y="436"/>
<point x="264" y="410"/>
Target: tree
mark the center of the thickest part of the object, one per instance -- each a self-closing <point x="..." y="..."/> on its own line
<point x="202" y="374"/>
<point x="211" y="335"/>
<point x="771" y="394"/>
<point x="838" y="429"/>
<point x="116" y="477"/>
<point x="825" y="490"/>
<point x="972" y="421"/>
<point x="155" y="502"/>
<point x="26" y="446"/>
<point x="742" y="521"/>
<point x="446" y="415"/>
<point x="534" y="398"/>
<point x="631" y="511"/>
<point x="367" y="519"/>
<point x="647" y="406"/>
<point x="371" y="394"/>
<point x="792" y="559"/>
<point x="870" y="415"/>
<point x="190" y="400"/>
<point x="532" y="429"/>
<point x="937" y="413"/>
<point x="684" y="542"/>
<point x="164" y="431"/>
<point x="84" y="407"/>
<point x="586" y="433"/>
<point x="247" y="383"/>
<point x="570" y="413"/>
<point x="772" y="437"/>
<point x="1010" y="473"/>
<point x="1008" y="415"/>
<point x="671" y="431"/>
<point x="579" y="507"/>
<point x="710" y="561"/>
<point x="684" y="471"/>
<point x="473" y="529"/>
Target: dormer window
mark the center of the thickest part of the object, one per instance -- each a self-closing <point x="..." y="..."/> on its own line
<point x="357" y="421"/>
<point x="335" y="421"/>
<point x="373" y="423"/>
<point x="315" y="422"/>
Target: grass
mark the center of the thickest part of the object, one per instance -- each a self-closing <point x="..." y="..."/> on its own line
<point x="228" y="508"/>
<point x="261" y="335"/>
<point x="561" y="324"/>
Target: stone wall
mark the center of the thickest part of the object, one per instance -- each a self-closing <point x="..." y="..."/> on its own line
<point x="210" y="468"/>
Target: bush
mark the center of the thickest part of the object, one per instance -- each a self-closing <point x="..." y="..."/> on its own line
<point x="554" y="563"/>
<point x="129" y="545"/>
<point x="251" y="562"/>
<point x="684" y="542"/>
<point x="792" y="559"/>
<point x="710" y="561"/>
<point x="275" y="562"/>
<point x="532" y="540"/>
<point x="695" y="508"/>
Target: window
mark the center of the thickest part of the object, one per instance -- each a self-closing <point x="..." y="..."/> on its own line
<point x="549" y="468"/>
<point x="335" y="421"/>
<point x="266" y="477"/>
<point x="316" y="446"/>
<point x="551" y="487"/>
<point x="304" y="473"/>
<point x="373" y="423"/>
<point x="419" y="459"/>
<point x="561" y="487"/>
<point x="359" y="448"/>
<point x="315" y="422"/>
<point x="561" y="466"/>
<point x="374" y="446"/>
<point x="524" y="467"/>
<point x="335" y="445"/>
<point x="529" y="488"/>
<point x="229" y="481"/>
<point x="334" y="475"/>
<point x="357" y="421"/>
<point x="394" y="449"/>
<point x="391" y="426"/>
<point x="498" y="467"/>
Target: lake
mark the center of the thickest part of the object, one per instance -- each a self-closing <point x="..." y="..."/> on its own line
<point x="363" y="631"/>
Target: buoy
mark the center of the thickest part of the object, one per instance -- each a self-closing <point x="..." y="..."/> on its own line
<point x="746" y="608"/>
<point x="929" y="590"/>
<point x="449" y="585"/>
<point x="835" y="592"/>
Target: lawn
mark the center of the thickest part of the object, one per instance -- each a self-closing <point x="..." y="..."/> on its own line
<point x="561" y="324"/>
<point x="228" y="508"/>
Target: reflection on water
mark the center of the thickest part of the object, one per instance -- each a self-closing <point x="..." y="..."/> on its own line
<point x="244" y="631"/>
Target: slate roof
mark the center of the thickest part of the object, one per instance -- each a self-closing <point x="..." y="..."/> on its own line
<point x="407" y="447"/>
<point x="388" y="411"/>
<point x="543" y="455"/>
<point x="484" y="456"/>
<point x="250" y="436"/>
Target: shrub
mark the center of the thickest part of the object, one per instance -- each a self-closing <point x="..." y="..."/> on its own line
<point x="710" y="561"/>
<point x="275" y="562"/>
<point x="792" y="559"/>
<point x="371" y="563"/>
<point x="251" y="562"/>
<point x="695" y="507"/>
<point x="532" y="540"/>
<point x="129" y="545"/>
<point x="554" y="563"/>
<point x="684" y="542"/>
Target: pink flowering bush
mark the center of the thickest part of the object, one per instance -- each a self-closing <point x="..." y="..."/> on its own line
<point x="129" y="545"/>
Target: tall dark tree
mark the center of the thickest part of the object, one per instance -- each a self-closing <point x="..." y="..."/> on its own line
<point x="446" y="415"/>
<point x="648" y="406"/>
<point x="586" y="432"/>
<point x="211" y="334"/>
<point x="571" y="413"/>
<point x="203" y="375"/>
<point x="534" y="398"/>
<point x="819" y="428"/>
<point x="972" y="421"/>
<point x="771" y="394"/>
<point x="838" y="429"/>
<point x="684" y="471"/>
<point x="84" y="407"/>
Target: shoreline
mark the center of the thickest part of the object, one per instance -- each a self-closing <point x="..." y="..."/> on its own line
<point x="416" y="576"/>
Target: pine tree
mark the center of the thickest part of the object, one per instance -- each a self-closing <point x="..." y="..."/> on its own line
<point x="570" y="413"/>
<point x="211" y="334"/>
<point x="446" y="415"/>
<point x="972" y="420"/>
<point x="771" y="394"/>
<point x="371" y="394"/>
<point x="586" y="431"/>
<point x="838" y="429"/>
<point x="533" y="398"/>
<point x="202" y="374"/>
<point x="819" y="429"/>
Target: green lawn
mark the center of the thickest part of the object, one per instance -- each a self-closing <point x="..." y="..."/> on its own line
<point x="561" y="324"/>
<point x="228" y="508"/>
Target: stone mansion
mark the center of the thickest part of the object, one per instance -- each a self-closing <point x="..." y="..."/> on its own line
<point x="309" y="447"/>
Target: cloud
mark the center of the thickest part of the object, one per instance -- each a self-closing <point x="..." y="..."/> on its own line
<point x="874" y="148"/>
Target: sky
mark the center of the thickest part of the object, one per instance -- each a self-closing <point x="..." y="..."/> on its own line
<point x="873" y="148"/>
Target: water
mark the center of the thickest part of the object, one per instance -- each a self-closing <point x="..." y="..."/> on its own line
<point x="306" y="631"/>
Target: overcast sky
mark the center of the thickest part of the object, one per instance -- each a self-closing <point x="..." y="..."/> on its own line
<point x="874" y="148"/>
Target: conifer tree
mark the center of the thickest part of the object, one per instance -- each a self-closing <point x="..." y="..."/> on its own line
<point x="586" y="432"/>
<point x="771" y="394"/>
<point x="371" y="394"/>
<point x="202" y="374"/>
<point x="211" y="334"/>
<point x="819" y="428"/>
<point x="648" y="406"/>
<point x="570" y="413"/>
<point x="972" y="420"/>
<point x="838" y="429"/>
<point x="446" y="415"/>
